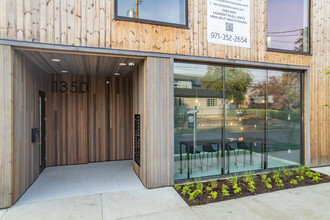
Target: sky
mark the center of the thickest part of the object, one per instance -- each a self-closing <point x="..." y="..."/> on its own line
<point x="171" y="11"/>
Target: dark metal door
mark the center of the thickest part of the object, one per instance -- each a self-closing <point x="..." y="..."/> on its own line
<point x="42" y="130"/>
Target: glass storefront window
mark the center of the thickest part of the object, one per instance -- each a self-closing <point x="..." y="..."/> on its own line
<point x="229" y="119"/>
<point x="198" y="120"/>
<point x="288" y="25"/>
<point x="284" y="118"/>
<point x="169" y="12"/>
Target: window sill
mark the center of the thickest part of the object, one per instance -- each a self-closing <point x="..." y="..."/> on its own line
<point x="289" y="51"/>
<point x="151" y="22"/>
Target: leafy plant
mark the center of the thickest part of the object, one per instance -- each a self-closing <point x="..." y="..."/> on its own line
<point x="267" y="182"/>
<point x="225" y="191"/>
<point x="287" y="172"/>
<point x="277" y="174"/>
<point x="233" y="180"/>
<point x="300" y="178"/>
<point x="248" y="177"/>
<point x="237" y="189"/>
<point x="177" y="187"/>
<point x="252" y="187"/>
<point x="199" y="184"/>
<point x="316" y="177"/>
<point x="186" y="190"/>
<point x="268" y="185"/>
<point x="293" y="182"/>
<point x="214" y="184"/>
<point x="310" y="174"/>
<point x="208" y="188"/>
<point x="194" y="194"/>
<point x="263" y="176"/>
<point x="300" y="170"/>
<point x="213" y="195"/>
<point x="306" y="169"/>
<point x="279" y="182"/>
<point x="190" y="185"/>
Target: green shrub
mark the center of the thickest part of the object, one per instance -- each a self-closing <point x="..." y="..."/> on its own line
<point x="300" y="178"/>
<point x="263" y="176"/>
<point x="208" y="188"/>
<point x="199" y="184"/>
<point x="293" y="182"/>
<point x="300" y="170"/>
<point x="237" y="189"/>
<point x="214" y="184"/>
<point x="177" y="187"/>
<point x="194" y="194"/>
<point x="213" y="195"/>
<point x="233" y="180"/>
<point x="252" y="187"/>
<point x="186" y="190"/>
<point x="287" y="172"/>
<point x="225" y="191"/>
<point x="248" y="177"/>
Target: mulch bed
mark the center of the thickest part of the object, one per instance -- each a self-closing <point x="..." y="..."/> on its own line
<point x="261" y="188"/>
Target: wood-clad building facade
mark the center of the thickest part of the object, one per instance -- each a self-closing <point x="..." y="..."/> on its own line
<point x="91" y="118"/>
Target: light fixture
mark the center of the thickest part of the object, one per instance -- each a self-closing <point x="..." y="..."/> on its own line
<point x="64" y="71"/>
<point x="56" y="60"/>
<point x="122" y="64"/>
<point x="107" y="82"/>
<point x="117" y="74"/>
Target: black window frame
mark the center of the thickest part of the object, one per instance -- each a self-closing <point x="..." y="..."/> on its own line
<point x="293" y="51"/>
<point x="147" y="21"/>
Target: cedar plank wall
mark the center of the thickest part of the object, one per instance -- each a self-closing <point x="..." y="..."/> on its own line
<point x="6" y="126"/>
<point x="89" y="127"/>
<point x="110" y="119"/>
<point x="152" y="99"/>
<point x="28" y="81"/>
<point x="66" y="126"/>
<point x="90" y="23"/>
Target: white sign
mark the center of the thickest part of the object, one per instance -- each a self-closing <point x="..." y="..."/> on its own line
<point x="228" y="22"/>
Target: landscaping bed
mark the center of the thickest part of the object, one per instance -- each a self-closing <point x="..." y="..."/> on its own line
<point x="199" y="193"/>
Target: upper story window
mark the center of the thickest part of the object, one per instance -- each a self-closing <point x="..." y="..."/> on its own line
<point x="169" y="12"/>
<point x="288" y="25"/>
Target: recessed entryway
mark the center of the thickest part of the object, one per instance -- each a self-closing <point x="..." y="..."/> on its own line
<point x="79" y="180"/>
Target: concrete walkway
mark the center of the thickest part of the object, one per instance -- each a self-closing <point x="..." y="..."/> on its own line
<point x="311" y="202"/>
<point x="80" y="180"/>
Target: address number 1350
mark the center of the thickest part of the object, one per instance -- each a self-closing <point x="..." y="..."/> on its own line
<point x="64" y="87"/>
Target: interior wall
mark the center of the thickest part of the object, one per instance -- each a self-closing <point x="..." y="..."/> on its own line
<point x="89" y="127"/>
<point x="28" y="80"/>
<point x="6" y="127"/>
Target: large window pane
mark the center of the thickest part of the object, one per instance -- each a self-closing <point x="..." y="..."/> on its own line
<point x="169" y="11"/>
<point x="231" y="119"/>
<point x="245" y="96"/>
<point x="288" y="24"/>
<point x="198" y="120"/>
<point x="284" y="118"/>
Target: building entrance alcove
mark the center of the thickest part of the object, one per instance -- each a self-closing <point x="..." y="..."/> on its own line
<point x="84" y="115"/>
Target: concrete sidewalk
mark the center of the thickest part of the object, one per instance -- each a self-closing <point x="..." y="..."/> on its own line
<point x="311" y="202"/>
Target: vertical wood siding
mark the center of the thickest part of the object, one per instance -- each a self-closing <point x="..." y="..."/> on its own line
<point x="152" y="99"/>
<point x="28" y="81"/>
<point x="110" y="119"/>
<point x="67" y="123"/>
<point x="89" y="127"/>
<point x="6" y="126"/>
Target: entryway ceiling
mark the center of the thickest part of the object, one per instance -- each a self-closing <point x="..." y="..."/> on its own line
<point x="82" y="64"/>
